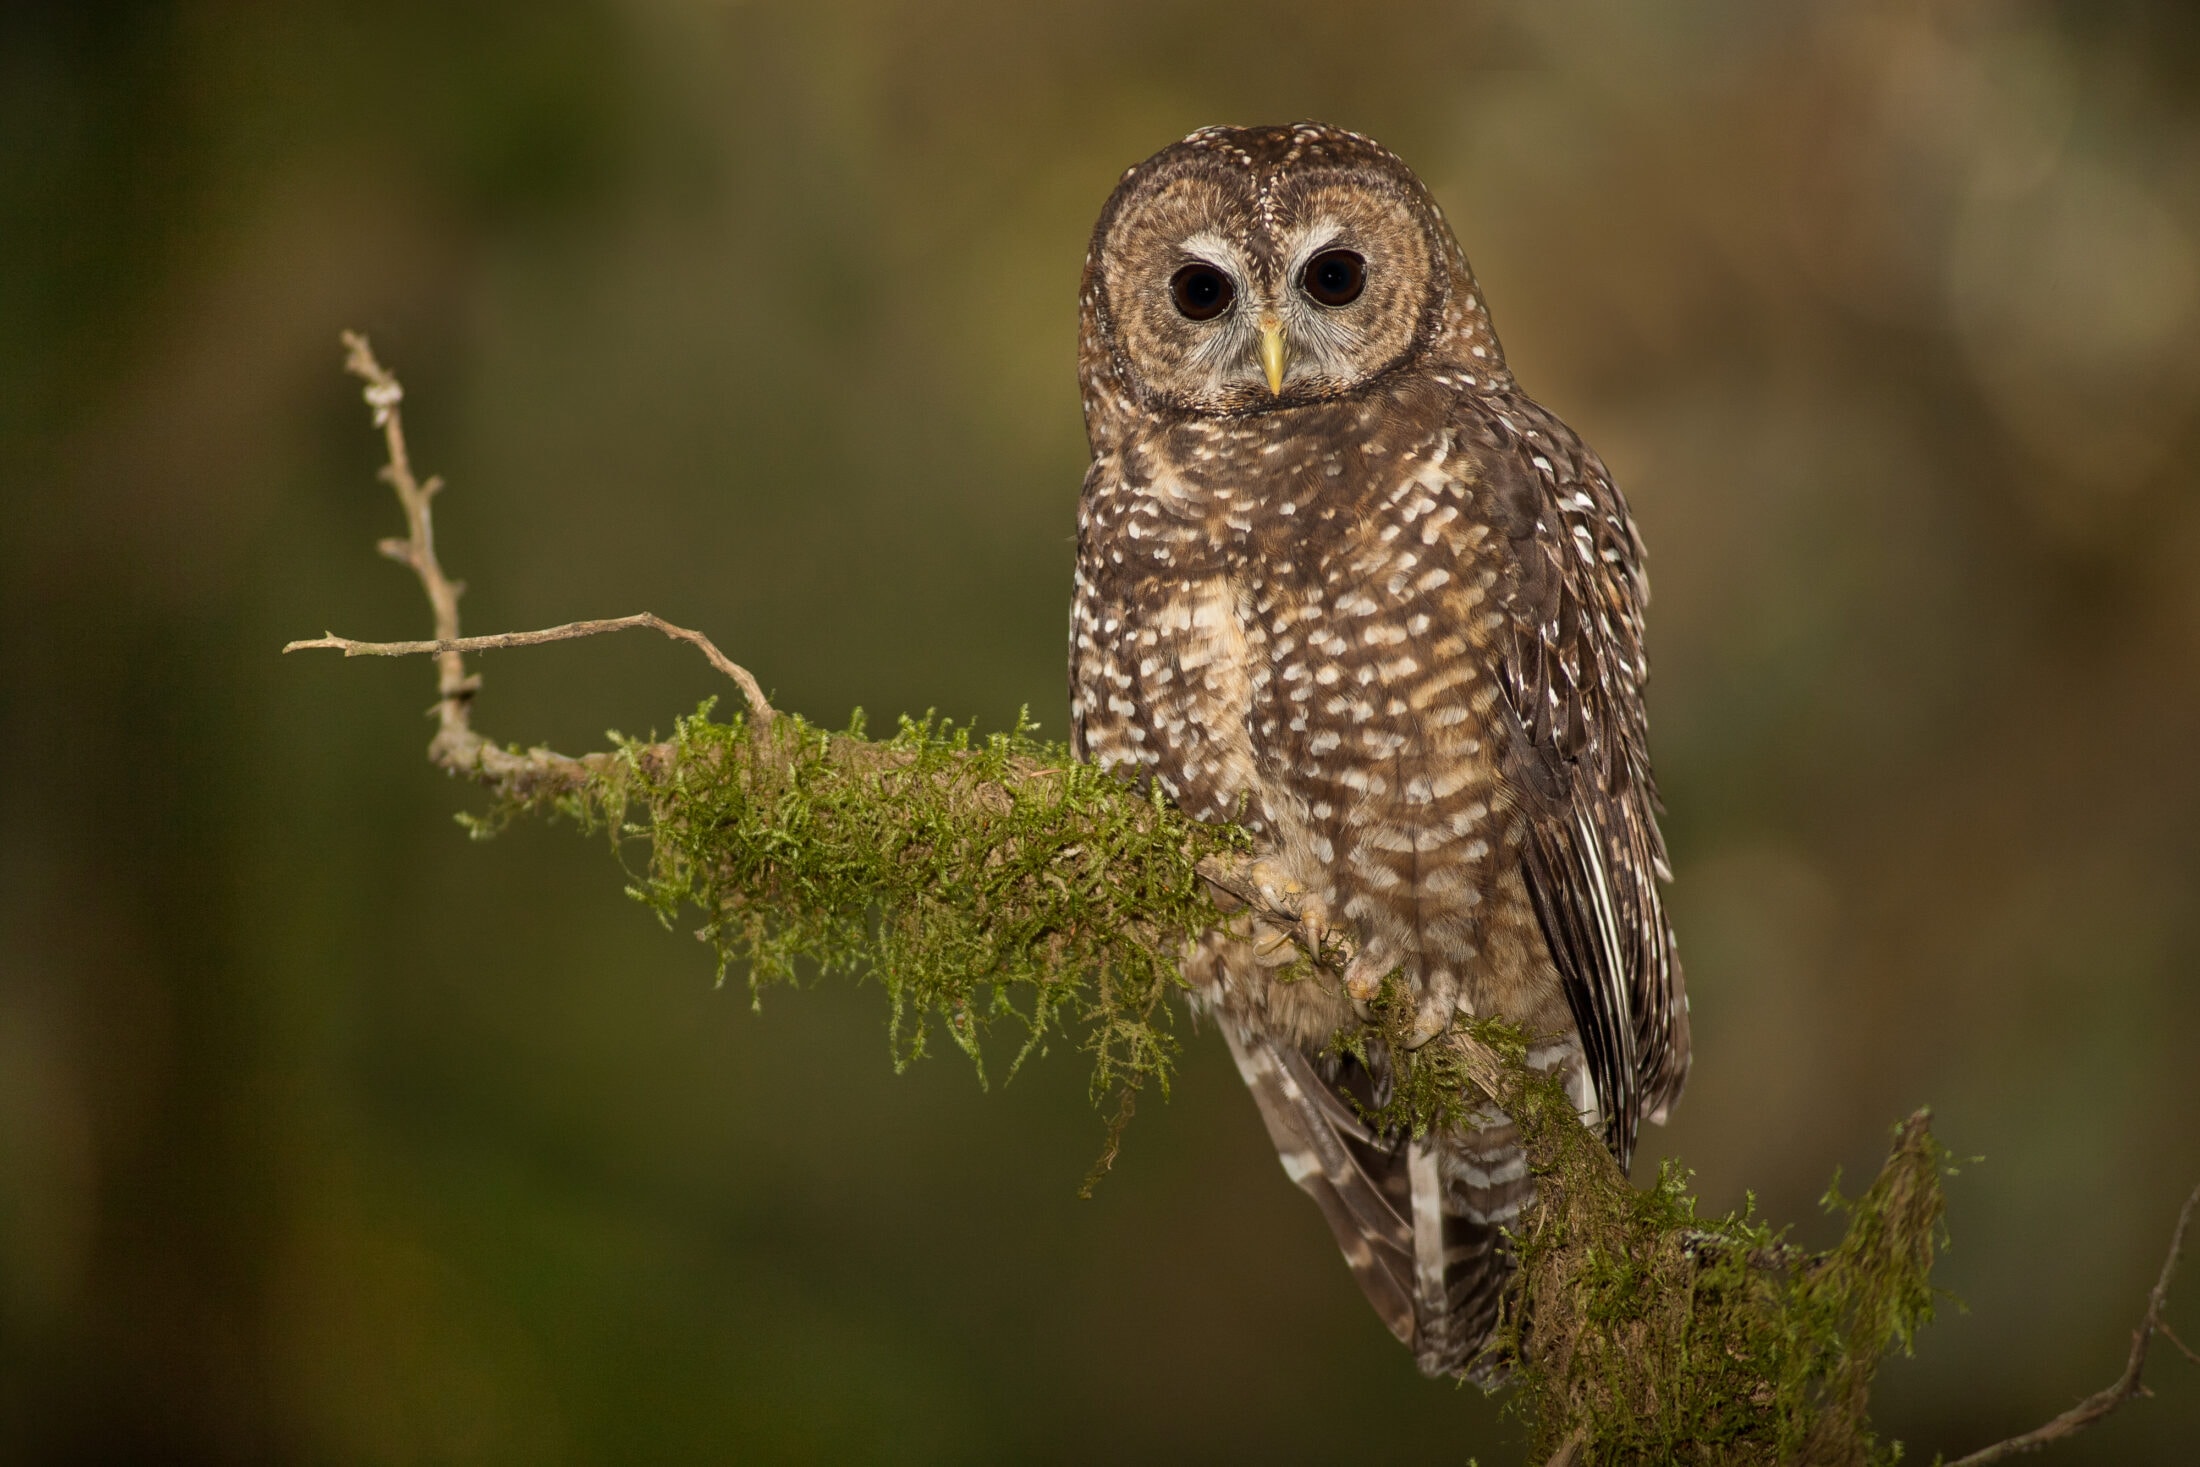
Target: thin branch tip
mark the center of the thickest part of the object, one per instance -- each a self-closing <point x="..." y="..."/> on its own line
<point x="571" y="631"/>
<point x="2125" y="1386"/>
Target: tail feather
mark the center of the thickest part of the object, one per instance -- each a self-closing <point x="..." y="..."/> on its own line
<point x="1420" y="1222"/>
<point x="1330" y="1153"/>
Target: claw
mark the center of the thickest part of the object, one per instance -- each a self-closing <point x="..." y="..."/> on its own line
<point x="1314" y="924"/>
<point x="1431" y="1019"/>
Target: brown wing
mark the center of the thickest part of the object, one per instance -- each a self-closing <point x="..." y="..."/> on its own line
<point x="1573" y="675"/>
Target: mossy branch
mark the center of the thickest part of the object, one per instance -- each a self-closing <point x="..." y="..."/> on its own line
<point x="995" y="885"/>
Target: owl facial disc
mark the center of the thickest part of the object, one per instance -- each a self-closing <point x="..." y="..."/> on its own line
<point x="1246" y="271"/>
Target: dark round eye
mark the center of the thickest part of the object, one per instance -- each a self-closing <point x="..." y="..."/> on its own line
<point x="1201" y="292"/>
<point x="1335" y="277"/>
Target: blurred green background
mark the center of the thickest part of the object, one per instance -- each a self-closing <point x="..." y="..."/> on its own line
<point x="328" y="1136"/>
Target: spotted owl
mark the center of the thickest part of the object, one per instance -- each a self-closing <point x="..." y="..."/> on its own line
<point x="1341" y="581"/>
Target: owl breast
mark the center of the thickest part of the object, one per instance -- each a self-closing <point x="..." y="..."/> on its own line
<point x="1296" y="631"/>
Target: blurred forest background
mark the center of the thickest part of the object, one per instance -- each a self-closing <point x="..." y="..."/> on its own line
<point x="329" y="1136"/>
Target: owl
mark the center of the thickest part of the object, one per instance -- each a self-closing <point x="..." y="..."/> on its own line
<point x="1340" y="581"/>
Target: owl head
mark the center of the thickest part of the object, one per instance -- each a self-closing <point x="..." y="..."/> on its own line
<point x="1246" y="270"/>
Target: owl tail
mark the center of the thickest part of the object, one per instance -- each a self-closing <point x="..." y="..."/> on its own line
<point x="1419" y="1221"/>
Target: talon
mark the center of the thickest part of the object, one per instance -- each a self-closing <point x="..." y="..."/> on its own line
<point x="1432" y="1019"/>
<point x="1314" y="923"/>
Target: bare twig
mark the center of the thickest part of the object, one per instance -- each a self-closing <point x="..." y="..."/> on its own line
<point x="570" y="631"/>
<point x="2127" y="1385"/>
<point x="1569" y="1450"/>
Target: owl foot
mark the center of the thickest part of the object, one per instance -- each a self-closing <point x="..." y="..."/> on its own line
<point x="1434" y="1006"/>
<point x="1272" y="946"/>
<point x="1286" y="894"/>
<point x="1432" y="1018"/>
<point x="1364" y="975"/>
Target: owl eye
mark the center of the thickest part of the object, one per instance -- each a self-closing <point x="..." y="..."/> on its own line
<point x="1201" y="292"/>
<point x="1335" y="277"/>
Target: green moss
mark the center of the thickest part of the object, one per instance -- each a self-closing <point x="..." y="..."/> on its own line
<point x="999" y="891"/>
<point x="1657" y="1334"/>
<point x="1667" y="1336"/>
<point x="994" y="887"/>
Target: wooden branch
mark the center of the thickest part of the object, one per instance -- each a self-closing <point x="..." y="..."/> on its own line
<point x="2125" y="1386"/>
<point x="456" y="746"/>
<point x="1598" y="1208"/>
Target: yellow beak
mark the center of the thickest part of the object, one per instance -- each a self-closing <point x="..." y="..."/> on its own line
<point x="1271" y="353"/>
